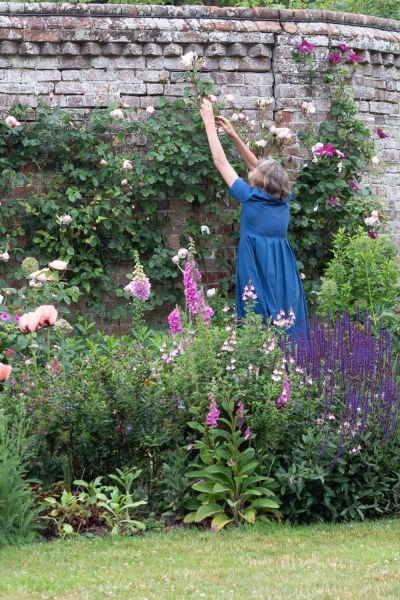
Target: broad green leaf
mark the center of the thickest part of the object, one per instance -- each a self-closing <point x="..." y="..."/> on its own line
<point x="207" y="510"/>
<point x="220" y="520"/>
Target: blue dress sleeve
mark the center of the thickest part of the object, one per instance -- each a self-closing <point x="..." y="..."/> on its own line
<point x="240" y="190"/>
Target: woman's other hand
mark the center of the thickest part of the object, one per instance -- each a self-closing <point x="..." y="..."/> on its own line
<point x="225" y="124"/>
<point x="206" y="111"/>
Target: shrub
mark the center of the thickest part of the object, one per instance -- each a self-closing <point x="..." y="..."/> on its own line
<point x="362" y="276"/>
<point x="18" y="509"/>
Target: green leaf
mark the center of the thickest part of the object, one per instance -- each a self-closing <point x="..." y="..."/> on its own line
<point x="249" y="515"/>
<point x="207" y="510"/>
<point x="220" y="520"/>
<point x="265" y="503"/>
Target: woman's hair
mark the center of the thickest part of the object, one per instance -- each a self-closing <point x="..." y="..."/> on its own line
<point x="270" y="176"/>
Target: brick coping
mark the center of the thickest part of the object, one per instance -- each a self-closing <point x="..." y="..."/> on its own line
<point x="196" y="12"/>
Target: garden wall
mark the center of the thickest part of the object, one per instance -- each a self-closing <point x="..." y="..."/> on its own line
<point x="82" y="56"/>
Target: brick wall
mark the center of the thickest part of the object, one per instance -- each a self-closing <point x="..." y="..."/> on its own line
<point x="91" y="55"/>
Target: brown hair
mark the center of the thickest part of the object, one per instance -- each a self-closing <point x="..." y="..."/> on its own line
<point x="270" y="176"/>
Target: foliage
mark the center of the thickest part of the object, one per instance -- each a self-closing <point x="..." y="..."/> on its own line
<point x="328" y="193"/>
<point x="18" y="509"/>
<point x="362" y="276"/>
<point x="228" y="481"/>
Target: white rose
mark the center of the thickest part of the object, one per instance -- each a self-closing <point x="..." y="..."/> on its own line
<point x="175" y="259"/>
<point x="272" y="129"/>
<point x="212" y="98"/>
<point x="189" y="59"/>
<point x="375" y="214"/>
<point x="150" y="110"/>
<point x="370" y="221"/>
<point x="230" y="98"/>
<point x="66" y="219"/>
<point x="5" y="257"/>
<point x="205" y="229"/>
<point x="211" y="292"/>
<point x="311" y="108"/>
<point x="59" y="265"/>
<point x="316" y="147"/>
<point x="1" y="299"/>
<point x="261" y="143"/>
<point x="183" y="252"/>
<point x="302" y="276"/>
<point x="103" y="162"/>
<point x="117" y="114"/>
<point x="235" y="117"/>
<point x="124" y="182"/>
<point x="375" y="160"/>
<point x="241" y="117"/>
<point x="127" y="164"/>
<point x="283" y="133"/>
<point x="11" y="122"/>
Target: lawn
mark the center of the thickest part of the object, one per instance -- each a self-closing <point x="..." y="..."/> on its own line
<point x="359" y="560"/>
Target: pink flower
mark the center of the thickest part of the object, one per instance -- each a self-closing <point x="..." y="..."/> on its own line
<point x="249" y="292"/>
<point x="117" y="114"/>
<point x="66" y="219"/>
<point x="353" y="185"/>
<point x="354" y="58"/>
<point x="127" y="164"/>
<point x="285" y="395"/>
<point x="344" y="48"/>
<point x="174" y="320"/>
<point x="213" y="414"/>
<point x="47" y="315"/>
<point x="333" y="202"/>
<point x="373" y="234"/>
<point x="381" y="134"/>
<point x="103" y="162"/>
<point x="194" y="299"/>
<point x="124" y="182"/>
<point x="305" y="47"/>
<point x="5" y="372"/>
<point x="334" y="58"/>
<point x="5" y="257"/>
<point x="189" y="59"/>
<point x="248" y="433"/>
<point x="139" y="287"/>
<point x="240" y="413"/>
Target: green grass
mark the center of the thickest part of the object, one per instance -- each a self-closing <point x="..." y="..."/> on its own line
<point x="359" y="560"/>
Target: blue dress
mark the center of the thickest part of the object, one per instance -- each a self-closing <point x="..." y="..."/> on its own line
<point x="265" y="257"/>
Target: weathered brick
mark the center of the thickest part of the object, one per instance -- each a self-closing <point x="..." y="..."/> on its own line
<point x="73" y="75"/>
<point x="133" y="50"/>
<point x="91" y="49"/>
<point x="215" y="50"/>
<point x="8" y="48"/>
<point x="136" y="89"/>
<point x="259" y="50"/>
<point x="154" y="89"/>
<point x="152" y="50"/>
<point x="70" y="49"/>
<point x="236" y="49"/>
<point x="49" y="49"/>
<point x="27" y="48"/>
<point x="173" y="50"/>
<point x="69" y="87"/>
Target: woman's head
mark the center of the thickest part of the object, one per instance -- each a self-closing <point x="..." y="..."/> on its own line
<point x="270" y="176"/>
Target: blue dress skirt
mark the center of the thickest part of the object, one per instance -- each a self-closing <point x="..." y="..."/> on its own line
<point x="266" y="259"/>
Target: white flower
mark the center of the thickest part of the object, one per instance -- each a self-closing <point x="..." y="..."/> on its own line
<point x="272" y="129"/>
<point x="175" y="259"/>
<point x="302" y="276"/>
<point x="235" y="117"/>
<point x="316" y="147"/>
<point x="5" y="257"/>
<point x="150" y="110"/>
<point x="211" y="292"/>
<point x="375" y="160"/>
<point x="375" y="214"/>
<point x="183" y="252"/>
<point x="309" y="107"/>
<point x="261" y="143"/>
<point x="59" y="265"/>
<point x="124" y="182"/>
<point x="117" y="114"/>
<point x="103" y="162"/>
<point x="205" y="229"/>
<point x="189" y="59"/>
<point x="66" y="219"/>
<point x="11" y="122"/>
<point x="1" y="299"/>
<point x="241" y="117"/>
<point x="339" y="166"/>
<point x="283" y="133"/>
<point x="212" y="98"/>
<point x="371" y="221"/>
<point x="230" y="98"/>
<point x="127" y="164"/>
<point x="263" y="102"/>
<point x="370" y="119"/>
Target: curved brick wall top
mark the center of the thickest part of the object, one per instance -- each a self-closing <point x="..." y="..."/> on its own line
<point x="88" y="55"/>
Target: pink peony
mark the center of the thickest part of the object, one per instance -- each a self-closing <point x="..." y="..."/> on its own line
<point x="305" y="47"/>
<point x="11" y="122"/>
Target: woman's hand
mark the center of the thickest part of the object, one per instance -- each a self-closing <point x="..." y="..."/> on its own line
<point x="225" y="124"/>
<point x="207" y="112"/>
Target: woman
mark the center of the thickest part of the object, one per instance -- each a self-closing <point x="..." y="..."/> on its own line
<point x="266" y="270"/>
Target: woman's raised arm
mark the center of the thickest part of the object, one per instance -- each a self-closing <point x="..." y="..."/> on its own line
<point x="245" y="152"/>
